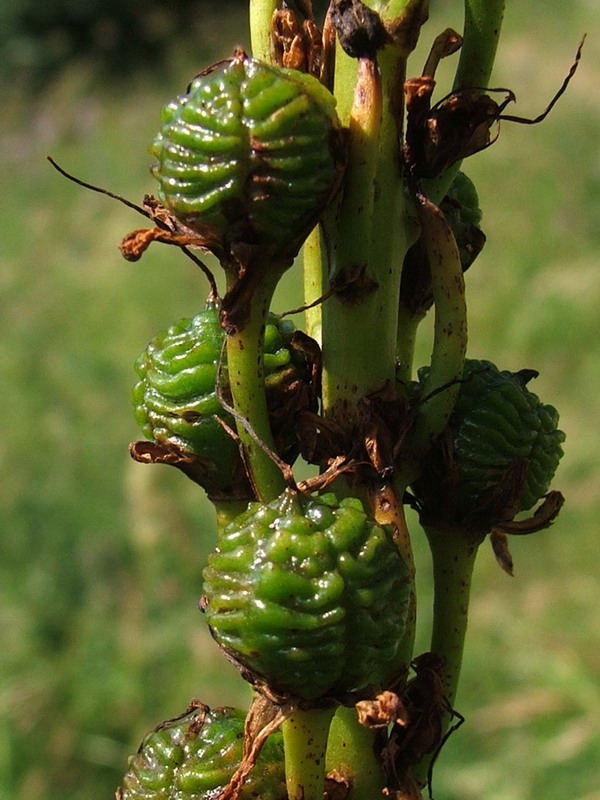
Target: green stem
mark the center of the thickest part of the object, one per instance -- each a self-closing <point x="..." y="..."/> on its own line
<point x="406" y="338"/>
<point x="227" y="511"/>
<point x="367" y="243"/>
<point x="245" y="364"/>
<point x="353" y="753"/>
<point x="391" y="231"/>
<point x="305" y="735"/>
<point x="349" y="335"/>
<point x="453" y="554"/>
<point x="261" y="12"/>
<point x="441" y="386"/>
<point x="313" y="262"/>
<point x="388" y="509"/>
<point x="481" y="34"/>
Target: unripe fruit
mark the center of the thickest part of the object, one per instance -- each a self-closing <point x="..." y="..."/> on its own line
<point x="499" y="454"/>
<point x="308" y="594"/>
<point x="193" y="757"/>
<point x="251" y="153"/>
<point x="462" y="211"/>
<point x="460" y="207"/>
<point x="176" y="398"/>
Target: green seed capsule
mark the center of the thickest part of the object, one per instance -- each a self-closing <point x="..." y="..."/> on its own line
<point x="505" y="450"/>
<point x="308" y="594"/>
<point x="462" y="211"/>
<point x="176" y="399"/>
<point x="250" y="154"/>
<point x="194" y="757"/>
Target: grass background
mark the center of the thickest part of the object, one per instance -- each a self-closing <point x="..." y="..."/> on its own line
<point x="101" y="558"/>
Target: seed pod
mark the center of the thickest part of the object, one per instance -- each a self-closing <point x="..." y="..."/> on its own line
<point x="460" y="206"/>
<point x="176" y="398"/>
<point x="250" y="154"/>
<point x="193" y="757"/>
<point x="307" y="594"/>
<point x="499" y="454"/>
<point x="461" y="209"/>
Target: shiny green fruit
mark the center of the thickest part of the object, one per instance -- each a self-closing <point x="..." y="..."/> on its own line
<point x="251" y="153"/>
<point x="193" y="757"/>
<point x="176" y="400"/>
<point x="462" y="211"/>
<point x="499" y="454"/>
<point x="308" y="594"/>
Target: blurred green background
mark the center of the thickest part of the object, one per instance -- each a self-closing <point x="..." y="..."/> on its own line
<point x="101" y="558"/>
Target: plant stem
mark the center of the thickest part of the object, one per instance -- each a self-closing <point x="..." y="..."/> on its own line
<point x="305" y="735"/>
<point x="247" y="381"/>
<point x="406" y="338"/>
<point x="453" y="555"/>
<point x="313" y="261"/>
<point x="441" y="386"/>
<point x="367" y="244"/>
<point x="349" y="336"/>
<point x="352" y="751"/>
<point x="388" y="509"/>
<point x="481" y="34"/>
<point x="228" y="510"/>
<point x="483" y="23"/>
<point x="261" y="12"/>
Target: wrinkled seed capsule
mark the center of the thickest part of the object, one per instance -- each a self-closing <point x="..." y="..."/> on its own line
<point x="176" y="396"/>
<point x="320" y="597"/>
<point x="250" y="154"/>
<point x="193" y="757"/>
<point x="496" y="423"/>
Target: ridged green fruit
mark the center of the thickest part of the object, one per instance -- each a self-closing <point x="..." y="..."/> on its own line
<point x="250" y="153"/>
<point x="462" y="195"/>
<point x="194" y="756"/>
<point x="500" y="454"/>
<point x="308" y="594"/>
<point x="176" y="400"/>
<point x="462" y="211"/>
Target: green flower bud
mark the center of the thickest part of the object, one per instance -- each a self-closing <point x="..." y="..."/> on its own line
<point x="499" y="453"/>
<point x="249" y="154"/>
<point x="308" y="594"/>
<point x="176" y="398"/>
<point x="193" y="757"/>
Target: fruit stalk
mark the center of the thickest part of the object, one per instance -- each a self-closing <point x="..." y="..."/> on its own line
<point x="352" y="753"/>
<point x="247" y="383"/>
<point x="453" y="556"/>
<point x="450" y="336"/>
<point x="305" y="735"/>
<point x="388" y="509"/>
<point x="261" y="12"/>
<point x="481" y="34"/>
